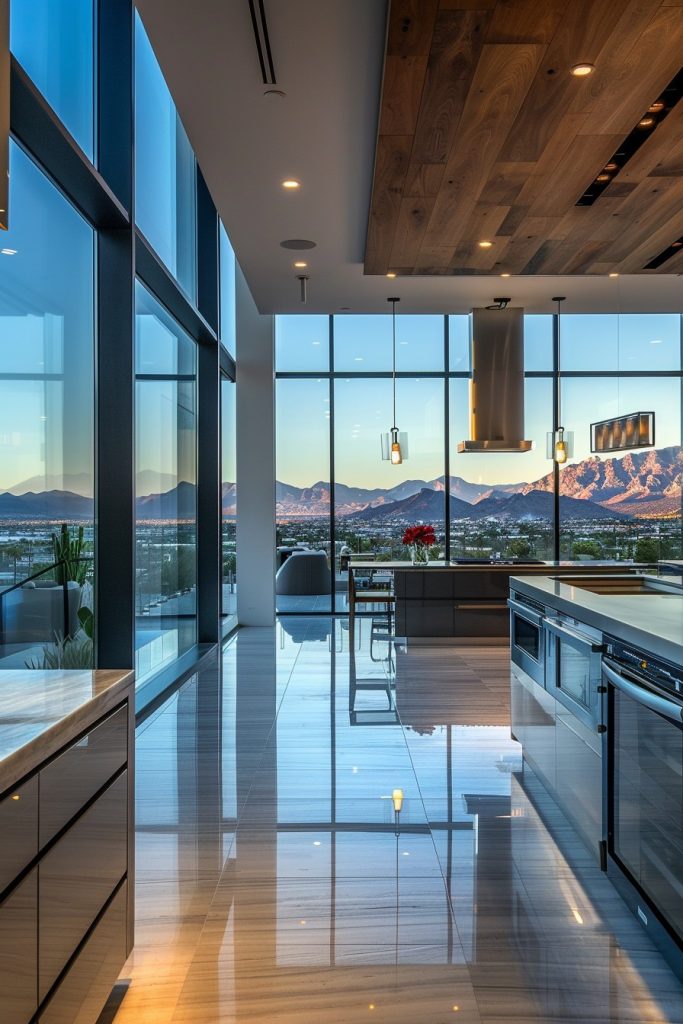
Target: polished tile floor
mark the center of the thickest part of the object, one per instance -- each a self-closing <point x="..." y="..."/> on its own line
<point x="275" y="885"/>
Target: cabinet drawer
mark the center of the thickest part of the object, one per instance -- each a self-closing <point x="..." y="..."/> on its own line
<point x="75" y="776"/>
<point x="77" y="877"/>
<point x="18" y="830"/>
<point x="19" y="952"/>
<point x="481" y="618"/>
<point x="86" y="987"/>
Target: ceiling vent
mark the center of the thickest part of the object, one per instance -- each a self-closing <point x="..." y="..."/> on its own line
<point x="260" y="27"/>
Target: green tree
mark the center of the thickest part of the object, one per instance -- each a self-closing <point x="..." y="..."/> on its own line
<point x="647" y="549"/>
<point x="519" y="547"/>
<point x="14" y="551"/>
<point x="587" y="548"/>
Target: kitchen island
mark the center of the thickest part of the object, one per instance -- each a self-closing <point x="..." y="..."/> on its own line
<point x="66" y="854"/>
<point x="597" y="705"/>
<point x="453" y="601"/>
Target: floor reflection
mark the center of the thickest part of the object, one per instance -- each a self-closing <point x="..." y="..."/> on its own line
<point x="274" y="883"/>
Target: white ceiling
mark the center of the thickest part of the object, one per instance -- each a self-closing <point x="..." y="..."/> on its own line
<point x="328" y="57"/>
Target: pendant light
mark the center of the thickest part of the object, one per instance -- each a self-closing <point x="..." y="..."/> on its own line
<point x="560" y="442"/>
<point x="394" y="444"/>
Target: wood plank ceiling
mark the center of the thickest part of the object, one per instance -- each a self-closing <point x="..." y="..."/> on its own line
<point x="485" y="135"/>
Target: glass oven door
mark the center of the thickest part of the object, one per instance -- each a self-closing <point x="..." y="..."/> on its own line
<point x="527" y="640"/>
<point x="574" y="669"/>
<point x="646" y="794"/>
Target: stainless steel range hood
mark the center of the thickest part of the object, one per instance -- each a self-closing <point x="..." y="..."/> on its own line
<point x="497" y="385"/>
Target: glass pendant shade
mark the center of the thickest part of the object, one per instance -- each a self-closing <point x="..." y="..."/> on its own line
<point x="560" y="445"/>
<point x="394" y="447"/>
<point x="394" y="444"/>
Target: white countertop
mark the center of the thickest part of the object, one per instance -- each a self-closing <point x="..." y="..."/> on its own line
<point x="652" y="622"/>
<point x="41" y="711"/>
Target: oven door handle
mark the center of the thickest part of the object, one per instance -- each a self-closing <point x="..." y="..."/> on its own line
<point x="564" y="632"/>
<point x="532" y="617"/>
<point x="668" y="708"/>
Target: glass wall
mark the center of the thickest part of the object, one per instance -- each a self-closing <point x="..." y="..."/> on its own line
<point x="627" y="505"/>
<point x="54" y="42"/>
<point x="165" y="487"/>
<point x="46" y="421"/>
<point x="304" y="557"/>
<point x="229" y="502"/>
<point x="227" y="293"/>
<point x="165" y="172"/>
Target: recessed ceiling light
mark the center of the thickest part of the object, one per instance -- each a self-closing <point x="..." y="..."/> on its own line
<point x="485" y="244"/>
<point x="674" y="245"/>
<point x="655" y="107"/>
<point x="505" y="275"/>
<point x="603" y="177"/>
<point x="274" y="94"/>
<point x="582" y="70"/>
<point x="8" y="252"/>
<point x="301" y="263"/>
<point x="291" y="183"/>
<point x="611" y="167"/>
<point x="614" y="274"/>
<point x="646" y="122"/>
<point x="391" y="273"/>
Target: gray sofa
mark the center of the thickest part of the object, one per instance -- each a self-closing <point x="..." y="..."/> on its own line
<point x="304" y="573"/>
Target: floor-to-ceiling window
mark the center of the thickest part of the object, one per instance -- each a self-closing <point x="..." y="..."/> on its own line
<point x="165" y="170"/>
<point x="165" y="487"/>
<point x="228" y="503"/>
<point x="335" y="398"/>
<point x="625" y="504"/>
<point x="47" y="423"/>
<point x="54" y="42"/>
<point x="91" y="395"/>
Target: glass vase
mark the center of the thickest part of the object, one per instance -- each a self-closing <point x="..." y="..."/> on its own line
<point x="419" y="554"/>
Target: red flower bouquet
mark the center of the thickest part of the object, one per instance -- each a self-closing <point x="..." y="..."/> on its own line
<point x="419" y="539"/>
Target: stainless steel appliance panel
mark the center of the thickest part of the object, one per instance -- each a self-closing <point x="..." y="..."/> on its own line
<point x="574" y="668"/>
<point x="533" y="724"/>
<point x="18" y="830"/>
<point x="646" y="792"/>
<point x="527" y="639"/>
<point x="68" y="782"/>
<point x="86" y="987"/>
<point x="579" y="776"/>
<point x="77" y="877"/>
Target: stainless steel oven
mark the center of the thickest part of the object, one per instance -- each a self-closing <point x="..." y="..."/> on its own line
<point x="644" y="791"/>
<point x="527" y="639"/>
<point x="573" y="667"/>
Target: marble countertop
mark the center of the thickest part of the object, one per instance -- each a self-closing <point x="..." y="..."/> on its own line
<point x="40" y="712"/>
<point x="652" y="622"/>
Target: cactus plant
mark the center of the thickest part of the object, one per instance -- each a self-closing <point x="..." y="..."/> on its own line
<point x="68" y="556"/>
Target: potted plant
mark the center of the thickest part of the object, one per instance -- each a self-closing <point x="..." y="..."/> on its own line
<point x="419" y="539"/>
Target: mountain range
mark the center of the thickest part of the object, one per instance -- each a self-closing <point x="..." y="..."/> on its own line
<point x="643" y="485"/>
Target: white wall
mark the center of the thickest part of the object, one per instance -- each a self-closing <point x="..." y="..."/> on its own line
<point x="255" y="461"/>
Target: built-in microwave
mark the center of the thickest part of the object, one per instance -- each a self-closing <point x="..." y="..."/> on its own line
<point x="527" y="639"/>
<point x="573" y="672"/>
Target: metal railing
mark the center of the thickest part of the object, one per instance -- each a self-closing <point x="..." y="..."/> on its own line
<point x="27" y="626"/>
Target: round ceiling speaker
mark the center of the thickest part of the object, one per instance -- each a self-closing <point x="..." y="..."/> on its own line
<point x="298" y="243"/>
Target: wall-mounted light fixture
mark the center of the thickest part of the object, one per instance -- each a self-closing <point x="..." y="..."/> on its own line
<point x="621" y="433"/>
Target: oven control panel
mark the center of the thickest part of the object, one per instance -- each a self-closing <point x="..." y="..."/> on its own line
<point x="654" y="670"/>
